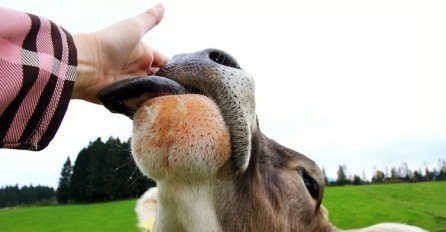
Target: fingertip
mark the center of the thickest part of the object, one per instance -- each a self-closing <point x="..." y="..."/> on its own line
<point x="157" y="11"/>
<point x="159" y="6"/>
<point x="150" y="18"/>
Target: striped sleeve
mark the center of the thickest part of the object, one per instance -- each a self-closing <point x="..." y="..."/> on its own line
<point x="37" y="71"/>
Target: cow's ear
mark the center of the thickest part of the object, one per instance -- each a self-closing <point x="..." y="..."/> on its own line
<point x="125" y="96"/>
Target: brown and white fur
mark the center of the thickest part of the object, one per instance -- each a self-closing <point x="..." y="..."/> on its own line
<point x="146" y="208"/>
<point x="215" y="170"/>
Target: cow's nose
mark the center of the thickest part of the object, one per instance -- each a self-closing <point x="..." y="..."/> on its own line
<point x="197" y="62"/>
<point x="217" y="75"/>
<point x="221" y="57"/>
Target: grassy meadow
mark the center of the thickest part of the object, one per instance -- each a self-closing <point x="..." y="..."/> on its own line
<point x="113" y="216"/>
<point x="421" y="204"/>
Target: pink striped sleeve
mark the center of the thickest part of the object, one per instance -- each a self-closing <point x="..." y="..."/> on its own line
<point x="37" y="70"/>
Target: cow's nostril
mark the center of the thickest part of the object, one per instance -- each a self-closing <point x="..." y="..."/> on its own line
<point x="223" y="58"/>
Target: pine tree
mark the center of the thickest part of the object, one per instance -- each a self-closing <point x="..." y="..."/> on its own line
<point x="342" y="176"/>
<point x="357" y="180"/>
<point x="327" y="183"/>
<point x="63" y="190"/>
<point x="79" y="177"/>
<point x="379" y="177"/>
<point x="106" y="171"/>
<point x="95" y="189"/>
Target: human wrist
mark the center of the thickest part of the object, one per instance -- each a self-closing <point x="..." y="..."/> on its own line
<point x="88" y="68"/>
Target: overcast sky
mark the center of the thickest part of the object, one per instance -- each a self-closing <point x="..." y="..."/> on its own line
<point x="360" y="83"/>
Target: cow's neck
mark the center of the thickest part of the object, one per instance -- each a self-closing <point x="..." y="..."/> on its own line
<point x="187" y="206"/>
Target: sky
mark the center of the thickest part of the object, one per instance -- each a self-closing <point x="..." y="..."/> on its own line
<point x="349" y="82"/>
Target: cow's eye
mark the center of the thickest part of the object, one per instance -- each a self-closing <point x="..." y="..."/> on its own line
<point x="310" y="184"/>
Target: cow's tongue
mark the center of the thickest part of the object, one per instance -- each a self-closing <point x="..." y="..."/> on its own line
<point x="126" y="95"/>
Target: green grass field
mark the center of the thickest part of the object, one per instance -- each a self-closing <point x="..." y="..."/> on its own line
<point x="114" y="216"/>
<point x="422" y="204"/>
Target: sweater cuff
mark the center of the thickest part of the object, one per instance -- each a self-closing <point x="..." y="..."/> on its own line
<point x="42" y="63"/>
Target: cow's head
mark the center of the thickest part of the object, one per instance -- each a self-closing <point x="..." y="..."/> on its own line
<point x="195" y="122"/>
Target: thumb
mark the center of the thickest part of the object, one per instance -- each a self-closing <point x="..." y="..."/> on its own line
<point x="150" y="18"/>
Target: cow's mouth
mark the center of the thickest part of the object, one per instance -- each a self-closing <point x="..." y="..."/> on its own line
<point x="126" y="96"/>
<point x="212" y="73"/>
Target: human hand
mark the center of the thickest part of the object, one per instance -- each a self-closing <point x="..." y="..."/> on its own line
<point x="116" y="52"/>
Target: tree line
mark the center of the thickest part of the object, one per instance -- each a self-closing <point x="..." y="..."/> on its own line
<point x="11" y="196"/>
<point x="103" y="171"/>
<point x="392" y="175"/>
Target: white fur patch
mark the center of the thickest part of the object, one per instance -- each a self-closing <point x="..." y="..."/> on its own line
<point x="389" y="227"/>
<point x="186" y="207"/>
<point x="146" y="205"/>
